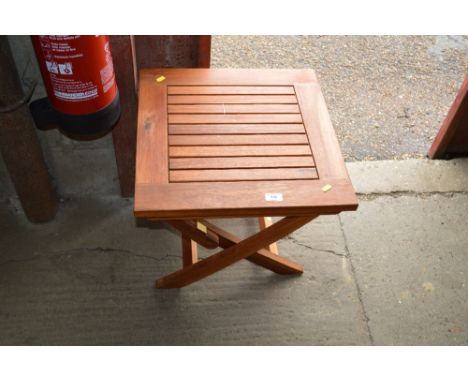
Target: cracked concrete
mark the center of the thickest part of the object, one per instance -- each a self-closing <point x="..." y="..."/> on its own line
<point x="413" y="268"/>
<point x="394" y="272"/>
<point x="295" y="241"/>
<point x="96" y="287"/>
<point x="358" y="287"/>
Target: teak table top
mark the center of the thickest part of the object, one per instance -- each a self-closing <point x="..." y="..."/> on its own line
<point x="236" y="142"/>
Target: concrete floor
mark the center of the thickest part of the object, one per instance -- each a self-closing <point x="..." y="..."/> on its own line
<point x="394" y="272"/>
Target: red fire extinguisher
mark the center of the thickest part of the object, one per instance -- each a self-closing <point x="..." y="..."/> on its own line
<point x="78" y="74"/>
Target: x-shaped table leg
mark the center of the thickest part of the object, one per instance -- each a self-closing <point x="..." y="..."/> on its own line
<point x="251" y="248"/>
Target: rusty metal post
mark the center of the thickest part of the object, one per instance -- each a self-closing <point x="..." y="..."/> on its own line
<point x="20" y="146"/>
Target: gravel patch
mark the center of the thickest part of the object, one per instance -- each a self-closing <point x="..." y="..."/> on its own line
<point x="387" y="95"/>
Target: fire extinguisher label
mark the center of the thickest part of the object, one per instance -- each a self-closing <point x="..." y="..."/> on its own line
<point x="72" y="96"/>
<point x="65" y="68"/>
<point x="78" y="72"/>
<point x="52" y="67"/>
<point x="74" y="90"/>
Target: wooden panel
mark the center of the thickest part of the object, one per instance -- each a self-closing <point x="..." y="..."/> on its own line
<point x="233" y="108"/>
<point x="237" y="199"/>
<point x="230" y="90"/>
<point x="241" y="174"/>
<point x="264" y="128"/>
<point x="239" y="77"/>
<point x="240" y="162"/>
<point x="322" y="138"/>
<point x="217" y="99"/>
<point x="234" y="118"/>
<point x="452" y="137"/>
<point x="229" y="151"/>
<point x="124" y="133"/>
<point x="152" y="158"/>
<point x="231" y="140"/>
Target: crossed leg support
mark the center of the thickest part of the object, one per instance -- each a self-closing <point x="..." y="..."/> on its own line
<point x="252" y="248"/>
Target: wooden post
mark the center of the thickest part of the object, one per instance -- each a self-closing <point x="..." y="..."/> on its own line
<point x="167" y="51"/>
<point x="204" y="51"/>
<point x="124" y="133"/>
<point x="264" y="222"/>
<point x="189" y="251"/>
<point x="20" y="146"/>
<point x="452" y="138"/>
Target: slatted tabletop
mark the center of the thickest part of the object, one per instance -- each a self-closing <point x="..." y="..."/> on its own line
<point x="219" y="142"/>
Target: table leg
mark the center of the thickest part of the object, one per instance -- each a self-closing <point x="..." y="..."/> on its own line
<point x="231" y="255"/>
<point x="189" y="251"/>
<point x="264" y="222"/>
<point x="189" y="228"/>
<point x="262" y="257"/>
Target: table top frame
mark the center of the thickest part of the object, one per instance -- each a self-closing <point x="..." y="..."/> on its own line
<point x="157" y="197"/>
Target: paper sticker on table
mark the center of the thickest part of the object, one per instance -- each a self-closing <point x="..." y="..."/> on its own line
<point x="160" y="79"/>
<point x="274" y="197"/>
<point x="201" y="227"/>
<point x="327" y="188"/>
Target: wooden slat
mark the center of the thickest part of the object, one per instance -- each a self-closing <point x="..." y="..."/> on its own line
<point x="233" y="108"/>
<point x="234" y="118"/>
<point x="172" y="90"/>
<point x="276" y="128"/>
<point x="217" y="99"/>
<point x="239" y="151"/>
<point x="327" y="153"/>
<point x="231" y="140"/>
<point x="152" y="134"/>
<point x="237" y="77"/>
<point x="240" y="162"/>
<point x="242" y="174"/>
<point x="242" y="199"/>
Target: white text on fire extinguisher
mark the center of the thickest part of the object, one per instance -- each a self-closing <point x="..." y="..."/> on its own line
<point x="76" y="96"/>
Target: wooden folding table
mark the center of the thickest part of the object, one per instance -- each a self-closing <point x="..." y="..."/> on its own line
<point x="225" y="143"/>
